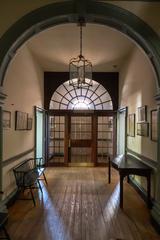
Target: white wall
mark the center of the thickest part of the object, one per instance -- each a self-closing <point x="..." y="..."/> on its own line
<point x="24" y="87"/>
<point x="138" y="88"/>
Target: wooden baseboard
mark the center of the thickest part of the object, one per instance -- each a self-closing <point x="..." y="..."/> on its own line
<point x="155" y="225"/>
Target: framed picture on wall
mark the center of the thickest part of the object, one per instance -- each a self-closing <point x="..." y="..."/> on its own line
<point x="20" y="120"/>
<point x="154" y="119"/>
<point x="131" y="125"/>
<point x="143" y="129"/>
<point x="142" y="114"/>
<point x="6" y="119"/>
<point x="29" y="123"/>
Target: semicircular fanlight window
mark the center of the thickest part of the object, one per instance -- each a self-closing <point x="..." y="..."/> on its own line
<point x="67" y="97"/>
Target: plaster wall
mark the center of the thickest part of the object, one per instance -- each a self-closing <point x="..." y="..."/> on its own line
<point x="138" y="88"/>
<point x="24" y="87"/>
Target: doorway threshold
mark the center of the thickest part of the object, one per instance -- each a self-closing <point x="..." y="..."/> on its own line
<point x="83" y="164"/>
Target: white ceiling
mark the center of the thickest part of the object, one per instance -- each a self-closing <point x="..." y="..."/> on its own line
<point x="103" y="46"/>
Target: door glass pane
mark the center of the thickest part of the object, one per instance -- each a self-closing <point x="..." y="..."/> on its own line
<point x="39" y="134"/>
<point x="56" y="139"/>
<point x="80" y="155"/>
<point x="81" y="135"/>
<point x="104" y="138"/>
<point x="81" y="127"/>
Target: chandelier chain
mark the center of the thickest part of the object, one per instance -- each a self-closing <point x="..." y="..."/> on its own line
<point x="80" y="39"/>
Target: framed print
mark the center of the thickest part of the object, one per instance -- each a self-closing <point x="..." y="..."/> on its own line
<point x="142" y="114"/>
<point x="6" y="119"/>
<point x="154" y="119"/>
<point x="20" y="120"/>
<point x="131" y="125"/>
<point x="29" y="123"/>
<point x="143" y="129"/>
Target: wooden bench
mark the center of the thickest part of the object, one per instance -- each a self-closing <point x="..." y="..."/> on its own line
<point x="126" y="166"/>
<point x="27" y="175"/>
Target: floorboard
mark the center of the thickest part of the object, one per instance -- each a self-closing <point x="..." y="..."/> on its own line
<point x="79" y="204"/>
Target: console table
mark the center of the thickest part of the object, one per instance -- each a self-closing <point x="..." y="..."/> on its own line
<point x="126" y="166"/>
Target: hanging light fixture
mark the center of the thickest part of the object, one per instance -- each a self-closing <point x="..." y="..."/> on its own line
<point x="80" y="69"/>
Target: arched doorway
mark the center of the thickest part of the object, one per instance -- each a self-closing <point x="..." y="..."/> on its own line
<point x="69" y="11"/>
<point x="81" y="126"/>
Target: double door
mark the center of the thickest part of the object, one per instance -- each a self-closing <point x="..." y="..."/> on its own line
<point x="78" y="140"/>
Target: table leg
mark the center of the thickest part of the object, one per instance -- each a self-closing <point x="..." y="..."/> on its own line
<point x="109" y="171"/>
<point x="121" y="190"/>
<point x="149" y="190"/>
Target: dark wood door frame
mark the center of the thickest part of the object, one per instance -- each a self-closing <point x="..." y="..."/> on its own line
<point x="68" y="143"/>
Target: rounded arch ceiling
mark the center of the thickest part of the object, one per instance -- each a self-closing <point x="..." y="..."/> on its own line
<point x="104" y="46"/>
<point x="95" y="97"/>
<point x="69" y="11"/>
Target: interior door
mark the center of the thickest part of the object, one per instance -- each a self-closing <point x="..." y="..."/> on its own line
<point x="40" y="133"/>
<point x="121" y="131"/>
<point x="56" y="140"/>
<point x="105" y="145"/>
<point x="81" y="141"/>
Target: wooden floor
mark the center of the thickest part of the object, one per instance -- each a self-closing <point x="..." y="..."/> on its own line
<point x="78" y="203"/>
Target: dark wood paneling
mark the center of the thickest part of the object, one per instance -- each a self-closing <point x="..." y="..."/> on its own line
<point x="81" y="143"/>
<point x="52" y="80"/>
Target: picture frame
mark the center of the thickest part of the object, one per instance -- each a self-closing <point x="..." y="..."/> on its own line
<point x="6" y="119"/>
<point x="21" y="120"/>
<point x="142" y="114"/>
<point x="153" y="129"/>
<point x="143" y="129"/>
<point x="29" y="123"/>
<point x="131" y="125"/>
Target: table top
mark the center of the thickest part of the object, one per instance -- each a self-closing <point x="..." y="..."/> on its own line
<point x="128" y="162"/>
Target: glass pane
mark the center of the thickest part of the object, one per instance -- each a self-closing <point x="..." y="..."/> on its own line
<point x="97" y="93"/>
<point x="81" y="127"/>
<point x="105" y="138"/>
<point x="80" y="155"/>
<point x="56" y="140"/>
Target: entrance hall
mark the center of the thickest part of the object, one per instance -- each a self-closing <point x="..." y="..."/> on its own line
<point x="80" y="89"/>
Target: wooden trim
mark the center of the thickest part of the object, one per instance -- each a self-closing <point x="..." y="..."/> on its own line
<point x="66" y="138"/>
<point x="16" y="157"/>
<point x="82" y="112"/>
<point x="155" y="224"/>
<point x="11" y="198"/>
<point x="142" y="158"/>
<point x="81" y="143"/>
<point x="94" y="139"/>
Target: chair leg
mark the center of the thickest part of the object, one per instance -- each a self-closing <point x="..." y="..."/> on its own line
<point x="39" y="185"/>
<point x="32" y="196"/>
<point x="6" y="233"/>
<point x="45" y="178"/>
